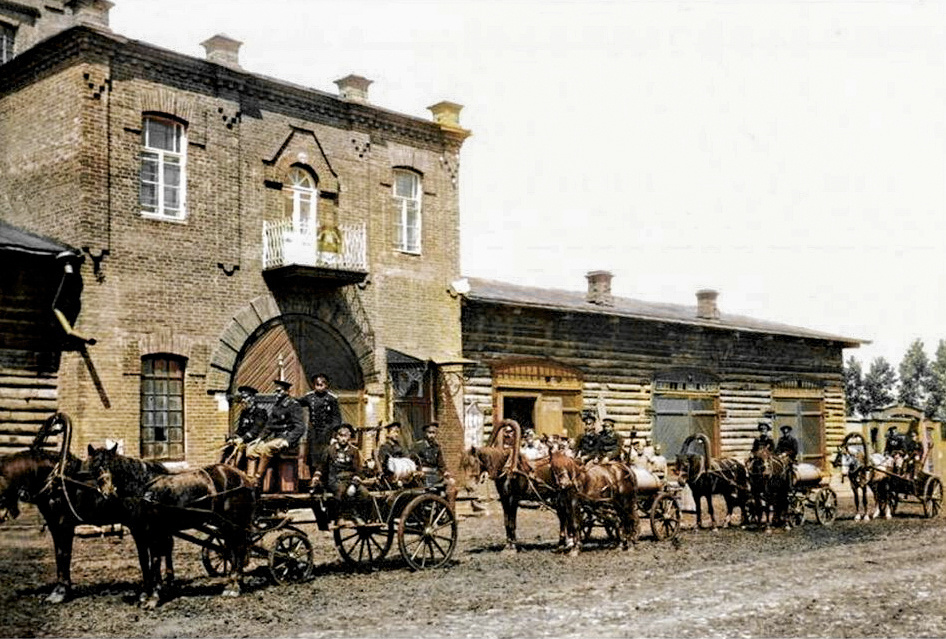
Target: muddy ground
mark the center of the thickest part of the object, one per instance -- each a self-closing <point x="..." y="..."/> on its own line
<point x="850" y="579"/>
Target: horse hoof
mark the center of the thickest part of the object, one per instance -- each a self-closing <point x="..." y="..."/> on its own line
<point x="857" y="517"/>
<point x="56" y="596"/>
<point x="151" y="603"/>
<point x="231" y="592"/>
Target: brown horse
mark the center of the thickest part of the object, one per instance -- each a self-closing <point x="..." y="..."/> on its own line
<point x="218" y="500"/>
<point x="516" y="483"/>
<point x="707" y="477"/>
<point x="770" y="483"/>
<point x="605" y="491"/>
<point x="64" y="495"/>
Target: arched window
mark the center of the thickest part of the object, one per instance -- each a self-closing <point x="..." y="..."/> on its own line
<point x="301" y="199"/>
<point x="407" y="219"/>
<point x="162" y="407"/>
<point x="163" y="168"/>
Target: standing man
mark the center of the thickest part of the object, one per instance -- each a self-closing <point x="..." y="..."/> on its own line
<point x="588" y="443"/>
<point x="324" y="417"/>
<point x="429" y="456"/>
<point x="284" y="429"/>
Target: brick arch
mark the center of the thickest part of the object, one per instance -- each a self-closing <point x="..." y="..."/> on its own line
<point x="338" y="313"/>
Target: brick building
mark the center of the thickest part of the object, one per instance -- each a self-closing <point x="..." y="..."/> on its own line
<point x="236" y="229"/>
<point x="663" y="371"/>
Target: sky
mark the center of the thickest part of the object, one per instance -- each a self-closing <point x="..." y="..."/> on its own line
<point x="790" y="155"/>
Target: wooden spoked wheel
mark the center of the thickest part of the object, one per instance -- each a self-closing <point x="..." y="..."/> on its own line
<point x="427" y="532"/>
<point x="290" y="559"/>
<point x="932" y="497"/>
<point x="215" y="558"/>
<point x="826" y="505"/>
<point x="363" y="545"/>
<point x="665" y="517"/>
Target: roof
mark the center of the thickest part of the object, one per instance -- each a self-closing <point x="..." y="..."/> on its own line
<point x="495" y="292"/>
<point x="13" y="238"/>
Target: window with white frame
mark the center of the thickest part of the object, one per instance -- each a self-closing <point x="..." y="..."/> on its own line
<point x="301" y="200"/>
<point x="7" y="36"/>
<point x="163" y="164"/>
<point x="407" y="220"/>
<point x="162" y="407"/>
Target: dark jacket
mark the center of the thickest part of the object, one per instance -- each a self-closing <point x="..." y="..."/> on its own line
<point x="429" y="454"/>
<point x="324" y="418"/>
<point x="390" y="448"/>
<point x="763" y="441"/>
<point x="608" y="444"/>
<point x="340" y="465"/>
<point x="588" y="445"/>
<point x="895" y="443"/>
<point x="787" y="444"/>
<point x="285" y="420"/>
<point x="251" y="422"/>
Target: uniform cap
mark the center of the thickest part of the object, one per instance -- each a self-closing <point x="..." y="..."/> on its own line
<point x="433" y="425"/>
<point x="249" y="390"/>
<point x="785" y="428"/>
<point x="282" y="384"/>
<point x="392" y="425"/>
<point x="587" y="415"/>
<point x="608" y="420"/>
<point x="764" y="426"/>
<point x="346" y="426"/>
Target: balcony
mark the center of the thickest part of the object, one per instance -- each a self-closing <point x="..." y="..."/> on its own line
<point x="289" y="253"/>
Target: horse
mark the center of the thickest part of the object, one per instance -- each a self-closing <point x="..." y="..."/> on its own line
<point x="770" y="483"/>
<point x="863" y="473"/>
<point x="155" y="503"/>
<point x="63" y="493"/>
<point x="516" y="483"/>
<point x="607" y="490"/>
<point x="707" y="477"/>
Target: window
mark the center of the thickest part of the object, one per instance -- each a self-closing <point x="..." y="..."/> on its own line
<point x="162" y="407"/>
<point x="163" y="160"/>
<point x="407" y="211"/>
<point x="7" y="36"/>
<point x="678" y="417"/>
<point x="301" y="198"/>
<point x="805" y="416"/>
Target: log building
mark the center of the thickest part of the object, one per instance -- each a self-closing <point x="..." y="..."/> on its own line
<point x="661" y="371"/>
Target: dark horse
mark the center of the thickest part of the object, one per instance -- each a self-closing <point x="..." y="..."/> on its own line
<point x="516" y="483"/>
<point x="606" y="491"/>
<point x="217" y="499"/>
<point x="64" y="495"/>
<point x="707" y="477"/>
<point x="853" y="460"/>
<point x="770" y="482"/>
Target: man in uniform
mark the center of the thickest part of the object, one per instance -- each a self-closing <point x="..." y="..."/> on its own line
<point x="429" y="456"/>
<point x="250" y="423"/>
<point x="283" y="430"/>
<point x="588" y="442"/>
<point x="324" y="417"/>
<point x="608" y="443"/>
<point x="392" y="456"/>
<point x="787" y="444"/>
<point x="764" y="440"/>
<point x="341" y="470"/>
<point x="896" y="448"/>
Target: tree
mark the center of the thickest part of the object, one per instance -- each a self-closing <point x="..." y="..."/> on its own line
<point x="915" y="375"/>
<point x="853" y="387"/>
<point x="879" y="383"/>
<point x="936" y="401"/>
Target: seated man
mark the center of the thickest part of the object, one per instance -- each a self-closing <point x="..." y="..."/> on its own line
<point x="608" y="443"/>
<point x="429" y="456"/>
<point x="764" y="441"/>
<point x="341" y="473"/>
<point x="787" y="444"/>
<point x="587" y="448"/>
<point x="532" y="449"/>
<point x="250" y="424"/>
<point x="283" y="430"/>
<point x="394" y="460"/>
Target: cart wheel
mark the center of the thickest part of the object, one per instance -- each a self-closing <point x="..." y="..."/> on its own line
<point x="290" y="560"/>
<point x="826" y="505"/>
<point x="215" y="557"/>
<point x="427" y="532"/>
<point x="665" y="517"/>
<point x="363" y="545"/>
<point x="932" y="497"/>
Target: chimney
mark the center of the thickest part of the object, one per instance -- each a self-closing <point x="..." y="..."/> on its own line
<point x="223" y="49"/>
<point x="90" y="12"/>
<point x="599" y="288"/>
<point x="353" y="88"/>
<point x="706" y="304"/>
<point x="446" y="114"/>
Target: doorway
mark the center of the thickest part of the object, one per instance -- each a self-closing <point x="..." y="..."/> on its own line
<point x="521" y="409"/>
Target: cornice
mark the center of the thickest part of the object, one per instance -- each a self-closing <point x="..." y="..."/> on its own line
<point x="68" y="47"/>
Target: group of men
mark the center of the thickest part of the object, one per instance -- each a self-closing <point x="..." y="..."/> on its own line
<point x="334" y="461"/>
<point x="786" y="444"/>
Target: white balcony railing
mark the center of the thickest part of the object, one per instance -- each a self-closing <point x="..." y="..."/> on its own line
<point x="284" y="246"/>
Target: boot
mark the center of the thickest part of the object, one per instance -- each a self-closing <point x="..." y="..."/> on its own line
<point x="261" y="467"/>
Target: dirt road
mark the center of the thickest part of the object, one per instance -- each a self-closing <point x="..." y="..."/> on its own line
<point x="874" y="579"/>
